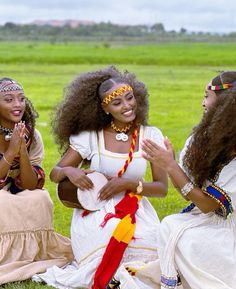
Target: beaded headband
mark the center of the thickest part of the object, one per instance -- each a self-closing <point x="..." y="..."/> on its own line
<point x="221" y="86"/>
<point x="10" y="85"/>
<point x="116" y="92"/>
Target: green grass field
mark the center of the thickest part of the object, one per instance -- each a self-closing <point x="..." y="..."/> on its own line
<point x="175" y="74"/>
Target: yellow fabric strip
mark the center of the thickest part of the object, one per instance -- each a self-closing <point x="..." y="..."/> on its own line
<point x="124" y="231"/>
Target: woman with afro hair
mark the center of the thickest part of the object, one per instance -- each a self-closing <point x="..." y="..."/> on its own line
<point x="198" y="246"/>
<point x="28" y="242"/>
<point x="103" y="119"/>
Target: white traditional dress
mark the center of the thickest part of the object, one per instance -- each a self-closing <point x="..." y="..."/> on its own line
<point x="200" y="249"/>
<point x="28" y="243"/>
<point x="195" y="249"/>
<point x="89" y="239"/>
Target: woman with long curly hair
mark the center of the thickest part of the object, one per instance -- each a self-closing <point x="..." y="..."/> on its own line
<point x="103" y="118"/>
<point x="198" y="246"/>
<point x="28" y="242"/>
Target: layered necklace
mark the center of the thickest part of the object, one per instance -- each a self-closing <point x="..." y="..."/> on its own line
<point x="121" y="132"/>
<point x="7" y="132"/>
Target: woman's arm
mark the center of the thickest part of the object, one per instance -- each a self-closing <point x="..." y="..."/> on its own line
<point x="17" y="146"/>
<point x="68" y="168"/>
<point x="157" y="188"/>
<point x="11" y="152"/>
<point x="205" y="203"/>
<point x="164" y="159"/>
<point x="5" y="164"/>
<point x="28" y="177"/>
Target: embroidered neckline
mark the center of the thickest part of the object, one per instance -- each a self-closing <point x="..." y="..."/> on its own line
<point x="104" y="151"/>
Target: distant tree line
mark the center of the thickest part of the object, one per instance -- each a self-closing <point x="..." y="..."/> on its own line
<point x="106" y="32"/>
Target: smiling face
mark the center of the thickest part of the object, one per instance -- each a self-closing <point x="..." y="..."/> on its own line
<point x="123" y="106"/>
<point x="12" y="107"/>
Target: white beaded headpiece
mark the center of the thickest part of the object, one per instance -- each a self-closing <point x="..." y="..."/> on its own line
<point x="9" y="85"/>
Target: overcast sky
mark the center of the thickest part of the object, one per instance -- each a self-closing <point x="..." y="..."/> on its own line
<point x="199" y="15"/>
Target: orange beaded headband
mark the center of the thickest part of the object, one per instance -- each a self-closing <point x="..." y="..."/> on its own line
<point x="116" y="92"/>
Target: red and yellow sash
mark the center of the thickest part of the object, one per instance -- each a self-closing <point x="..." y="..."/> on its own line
<point x="124" y="231"/>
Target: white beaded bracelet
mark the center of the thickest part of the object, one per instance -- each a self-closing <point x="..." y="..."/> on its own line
<point x="187" y="188"/>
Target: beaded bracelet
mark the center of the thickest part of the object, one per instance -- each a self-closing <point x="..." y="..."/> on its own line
<point x="6" y="160"/>
<point x="187" y="188"/>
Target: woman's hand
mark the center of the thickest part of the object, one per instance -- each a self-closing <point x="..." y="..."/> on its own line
<point x="23" y="148"/>
<point x="162" y="157"/>
<point x="79" y="179"/>
<point x="114" y="186"/>
<point x="17" y="141"/>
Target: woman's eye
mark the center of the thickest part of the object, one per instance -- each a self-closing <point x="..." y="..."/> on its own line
<point x="129" y="96"/>
<point x="116" y="103"/>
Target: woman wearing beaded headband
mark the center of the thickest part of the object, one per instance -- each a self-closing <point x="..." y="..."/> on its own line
<point x="198" y="246"/>
<point x="103" y="118"/>
<point x="217" y="86"/>
<point x="27" y="239"/>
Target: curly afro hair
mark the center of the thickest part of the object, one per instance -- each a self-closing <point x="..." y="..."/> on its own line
<point x="81" y="107"/>
<point x="214" y="140"/>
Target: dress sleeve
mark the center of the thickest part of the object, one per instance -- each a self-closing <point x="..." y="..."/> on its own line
<point x="154" y="134"/>
<point x="223" y="189"/>
<point x="36" y="155"/>
<point x="82" y="143"/>
<point x="36" y="152"/>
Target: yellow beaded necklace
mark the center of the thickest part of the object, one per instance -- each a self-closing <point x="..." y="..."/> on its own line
<point x="121" y="132"/>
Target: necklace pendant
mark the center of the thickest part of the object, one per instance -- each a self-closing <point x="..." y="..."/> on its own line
<point x="7" y="137"/>
<point x="122" y="136"/>
<point x="7" y="132"/>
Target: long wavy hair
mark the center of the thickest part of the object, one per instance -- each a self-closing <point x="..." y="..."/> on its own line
<point x="30" y="113"/>
<point x="214" y="140"/>
<point x="81" y="107"/>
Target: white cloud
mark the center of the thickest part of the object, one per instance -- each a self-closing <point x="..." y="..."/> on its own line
<point x="208" y="15"/>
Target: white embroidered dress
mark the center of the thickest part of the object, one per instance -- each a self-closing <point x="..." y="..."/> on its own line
<point x="199" y="247"/>
<point x="89" y="239"/>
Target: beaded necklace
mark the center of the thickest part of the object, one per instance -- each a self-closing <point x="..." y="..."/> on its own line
<point x="7" y="132"/>
<point x="121" y="132"/>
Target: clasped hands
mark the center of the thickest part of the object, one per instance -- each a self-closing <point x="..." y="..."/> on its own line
<point x="17" y="141"/>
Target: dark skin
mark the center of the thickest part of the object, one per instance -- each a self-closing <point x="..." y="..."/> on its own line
<point x="122" y="108"/>
<point x="12" y="106"/>
<point x="164" y="158"/>
<point x="68" y="167"/>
